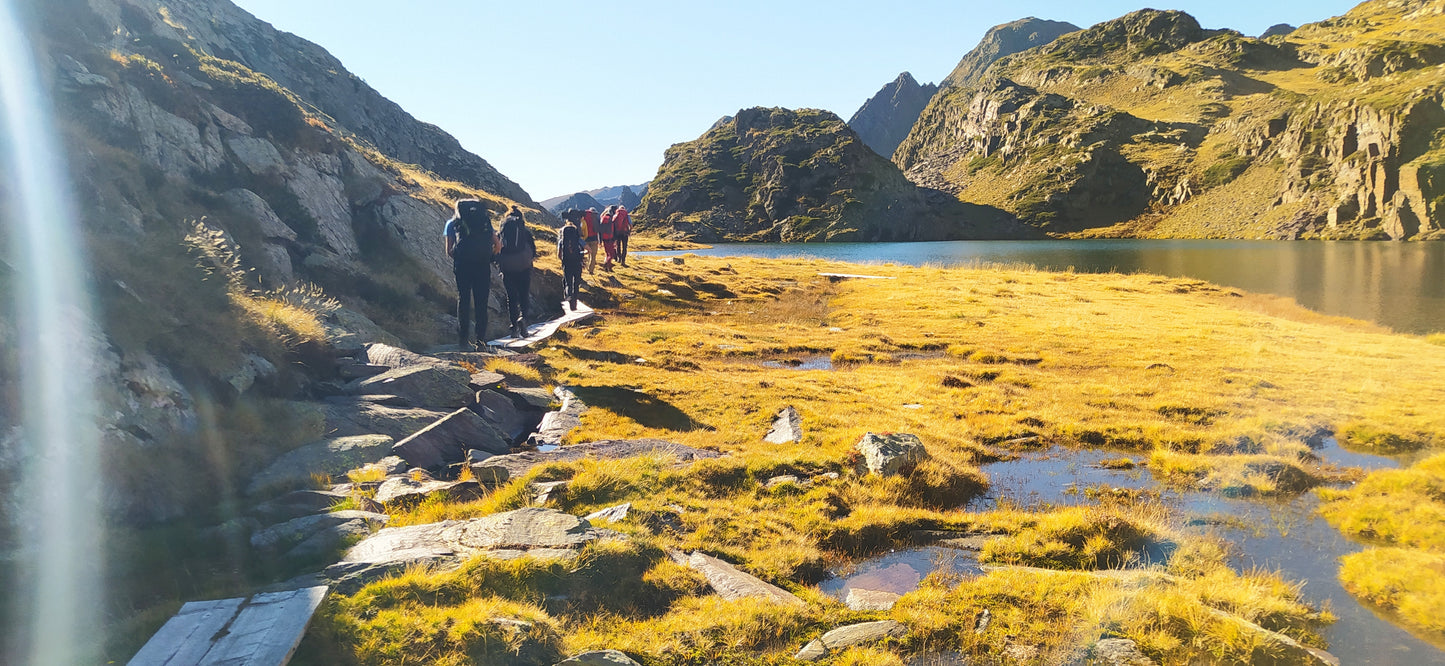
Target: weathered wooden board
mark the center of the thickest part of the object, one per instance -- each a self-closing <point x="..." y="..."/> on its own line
<point x="261" y="631"/>
<point x="541" y="331"/>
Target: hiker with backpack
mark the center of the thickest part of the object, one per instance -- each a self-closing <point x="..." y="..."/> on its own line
<point x="571" y="252"/>
<point x="589" y="236"/>
<point x="605" y="230"/>
<point x="471" y="243"/>
<point x="621" y="229"/>
<point x="514" y="257"/>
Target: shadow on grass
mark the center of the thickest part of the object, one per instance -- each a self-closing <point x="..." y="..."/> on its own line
<point x="646" y="410"/>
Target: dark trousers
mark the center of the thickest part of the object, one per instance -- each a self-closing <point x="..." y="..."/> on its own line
<point x="518" y="286"/>
<point x="622" y="247"/>
<point x="474" y="285"/>
<point x="571" y="280"/>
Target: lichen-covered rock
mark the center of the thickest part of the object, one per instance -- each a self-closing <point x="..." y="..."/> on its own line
<point x="848" y="636"/>
<point x="787" y="427"/>
<point x="431" y="386"/>
<point x="731" y="583"/>
<point x="599" y="658"/>
<point x="296" y="530"/>
<point x="447" y="441"/>
<point x="404" y="491"/>
<point x="889" y="454"/>
<point x="331" y="457"/>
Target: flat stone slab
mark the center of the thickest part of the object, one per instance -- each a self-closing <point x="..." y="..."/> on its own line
<point x="512" y="421"/>
<point x="447" y="441"/>
<point x="610" y="514"/>
<point x="870" y="600"/>
<point x="296" y="504"/>
<point x="787" y="427"/>
<point x="332" y="457"/>
<point x="433" y="386"/>
<point x="404" y="491"/>
<point x="731" y="583"/>
<point x="1120" y="652"/>
<point x="518" y="464"/>
<point x="483" y="380"/>
<point x="599" y="658"/>
<point x="395" y="357"/>
<point x="534" y="398"/>
<point x="348" y="417"/>
<point x="263" y="630"/>
<point x="556" y="425"/>
<point x="853" y="634"/>
<point x="296" y="530"/>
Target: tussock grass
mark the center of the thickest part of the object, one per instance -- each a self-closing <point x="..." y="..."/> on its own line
<point x="516" y="370"/>
<point x="1411" y="583"/>
<point x="1098" y="537"/>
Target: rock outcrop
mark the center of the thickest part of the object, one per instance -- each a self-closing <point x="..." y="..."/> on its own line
<point x="1150" y="125"/>
<point x="1004" y="40"/>
<point x="796" y="176"/>
<point x="885" y="119"/>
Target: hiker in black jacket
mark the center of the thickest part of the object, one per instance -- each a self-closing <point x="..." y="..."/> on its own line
<point x="515" y="258"/>
<point x="470" y="242"/>
<point x="571" y="251"/>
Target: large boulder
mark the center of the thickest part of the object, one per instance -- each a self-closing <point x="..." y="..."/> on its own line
<point x="395" y="357"/>
<point x="787" y="427"/>
<point x="447" y="441"/>
<point x="556" y="425"/>
<point x="348" y="416"/>
<point x="332" y="457"/>
<point x="731" y="583"/>
<point x="435" y="386"/>
<point x="292" y="532"/>
<point x="404" y="491"/>
<point x="514" y="422"/>
<point x="889" y="454"/>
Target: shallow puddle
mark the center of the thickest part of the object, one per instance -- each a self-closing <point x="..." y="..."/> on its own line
<point x="1287" y="536"/>
<point x="816" y="362"/>
<point x="900" y="571"/>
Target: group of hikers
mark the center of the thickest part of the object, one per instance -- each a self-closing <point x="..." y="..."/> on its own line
<point x="473" y="247"/>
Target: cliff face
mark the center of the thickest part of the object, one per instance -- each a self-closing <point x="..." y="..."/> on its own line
<point x="247" y="204"/>
<point x="794" y="176"/>
<point x="1004" y="40"/>
<point x="885" y="119"/>
<point x="1149" y="125"/>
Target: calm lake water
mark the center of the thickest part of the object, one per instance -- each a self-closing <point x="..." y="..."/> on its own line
<point x="1399" y="285"/>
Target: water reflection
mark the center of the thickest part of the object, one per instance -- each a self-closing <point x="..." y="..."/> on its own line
<point x="1399" y="285"/>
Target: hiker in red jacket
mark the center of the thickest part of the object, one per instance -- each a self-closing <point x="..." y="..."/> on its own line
<point x="589" y="236"/>
<point x="609" y="242"/>
<point x="621" y="229"/>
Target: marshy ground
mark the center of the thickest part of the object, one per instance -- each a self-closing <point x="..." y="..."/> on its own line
<point x="1200" y="389"/>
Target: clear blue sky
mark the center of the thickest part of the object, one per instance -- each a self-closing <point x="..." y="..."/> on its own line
<point x="563" y="96"/>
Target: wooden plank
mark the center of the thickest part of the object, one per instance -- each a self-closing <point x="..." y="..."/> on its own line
<point x="539" y="332"/>
<point x="186" y="637"/>
<point x="267" y="630"/>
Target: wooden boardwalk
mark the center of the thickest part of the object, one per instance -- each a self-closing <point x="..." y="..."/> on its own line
<point x="262" y="630"/>
<point x="541" y="331"/>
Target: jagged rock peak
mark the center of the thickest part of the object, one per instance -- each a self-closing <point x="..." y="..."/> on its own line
<point x="1143" y="32"/>
<point x="885" y="119"/>
<point x="1277" y="30"/>
<point x="1004" y="40"/>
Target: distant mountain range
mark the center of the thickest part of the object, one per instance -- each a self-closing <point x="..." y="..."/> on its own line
<point x="626" y="195"/>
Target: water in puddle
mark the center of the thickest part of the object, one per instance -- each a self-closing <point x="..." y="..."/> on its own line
<point x="818" y="362"/>
<point x="547" y="448"/>
<point x="900" y="571"/>
<point x="1058" y="477"/>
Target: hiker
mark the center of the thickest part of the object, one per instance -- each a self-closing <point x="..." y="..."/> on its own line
<point x="621" y="229"/>
<point x="470" y="242"/>
<point x="571" y="252"/>
<point x="515" y="259"/>
<point x="609" y="243"/>
<point x="589" y="235"/>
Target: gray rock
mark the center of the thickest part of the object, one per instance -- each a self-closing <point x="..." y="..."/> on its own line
<point x="273" y="264"/>
<point x="731" y="583"/>
<point x="870" y="600"/>
<point x="546" y="490"/>
<point x="1119" y="652"/>
<point x="354" y="370"/>
<point x="351" y="416"/>
<point x="499" y="410"/>
<point x="395" y="357"/>
<point x="433" y="386"/>
<point x="611" y="514"/>
<point x="519" y="464"/>
<point x="347" y="328"/>
<point x="259" y="156"/>
<point x="481" y="381"/>
<point x="475" y="456"/>
<point x="599" y="658"/>
<point x="387" y="466"/>
<point x="250" y="205"/>
<point x="787" y="427"/>
<point x="326" y="540"/>
<point x="556" y="425"/>
<point x="534" y="398"/>
<point x="333" y="457"/>
<point x="244" y="376"/>
<point x="296" y="504"/>
<point x="890" y="454"/>
<point x="403" y="491"/>
<point x="853" y="634"/>
<point x="780" y="480"/>
<point x="447" y="441"/>
<point x="315" y="180"/>
<point x="295" y="531"/>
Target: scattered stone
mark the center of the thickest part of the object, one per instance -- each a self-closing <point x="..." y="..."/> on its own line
<point x="611" y="514"/>
<point x="395" y="357"/>
<point x="780" y="480"/>
<point x="403" y="491"/>
<point x="252" y="368"/>
<point x="1016" y="653"/>
<point x="1119" y="652"/>
<point x="427" y="385"/>
<point x="325" y="541"/>
<point x="556" y="425"/>
<point x="981" y="625"/>
<point x="447" y="441"/>
<point x="787" y="427"/>
<point x="853" y="634"/>
<point x="533" y="398"/>
<point x="484" y="380"/>
<point x="353" y="416"/>
<point x="520" y="463"/>
<point x="297" y="530"/>
<point x="388" y="466"/>
<point x="826" y="477"/>
<point x="676" y="261"/>
<point x="870" y="600"/>
<point x="331" y="457"/>
<point x="599" y="658"/>
<point x="889" y="454"/>
<point x="512" y="421"/>
<point x="475" y="456"/>
<point x="731" y="583"/>
<point x="547" y="489"/>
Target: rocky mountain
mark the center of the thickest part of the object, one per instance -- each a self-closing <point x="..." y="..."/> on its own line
<point x="793" y="176"/>
<point x="580" y="201"/>
<point x="1277" y="30"/>
<point x="1004" y="40"/>
<point x="627" y="195"/>
<point x="248" y="206"/>
<point x="1149" y="125"/>
<point x="884" y="120"/>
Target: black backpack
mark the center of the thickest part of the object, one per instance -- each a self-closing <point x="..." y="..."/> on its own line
<point x="518" y="248"/>
<point x="474" y="234"/>
<point x="569" y="243"/>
